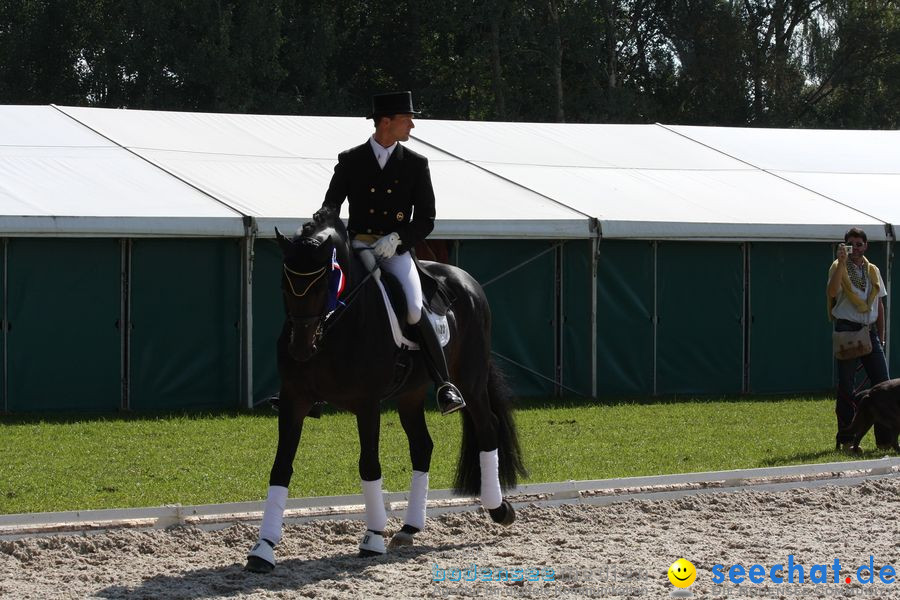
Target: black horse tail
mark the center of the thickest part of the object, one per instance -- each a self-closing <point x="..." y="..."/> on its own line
<point x="468" y="470"/>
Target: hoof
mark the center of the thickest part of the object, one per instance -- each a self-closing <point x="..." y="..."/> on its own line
<point x="372" y="544"/>
<point x="257" y="565"/>
<point x="400" y="539"/>
<point x="261" y="558"/>
<point x="316" y="411"/>
<point x="849" y="448"/>
<point x="503" y="514"/>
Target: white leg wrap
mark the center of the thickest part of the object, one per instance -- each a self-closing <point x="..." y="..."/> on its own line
<point x="376" y="517"/>
<point x="273" y="516"/>
<point x="418" y="498"/>
<point x="491" y="497"/>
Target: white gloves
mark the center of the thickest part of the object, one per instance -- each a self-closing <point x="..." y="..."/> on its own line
<point x="386" y="246"/>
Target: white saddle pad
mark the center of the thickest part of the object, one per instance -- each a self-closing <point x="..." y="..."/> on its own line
<point x="438" y="322"/>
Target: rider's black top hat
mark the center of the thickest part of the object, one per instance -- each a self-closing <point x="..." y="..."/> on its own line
<point x="393" y="103"/>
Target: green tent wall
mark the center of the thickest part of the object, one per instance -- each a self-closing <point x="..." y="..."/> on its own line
<point x="625" y="310"/>
<point x="699" y="346"/>
<point x="761" y="328"/>
<point x="185" y="324"/>
<point x="63" y="315"/>
<point x="790" y="335"/>
<point x="576" y="339"/>
<point x="268" y="317"/>
<point x="518" y="278"/>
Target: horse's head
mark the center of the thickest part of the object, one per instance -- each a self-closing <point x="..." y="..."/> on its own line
<point x="308" y="280"/>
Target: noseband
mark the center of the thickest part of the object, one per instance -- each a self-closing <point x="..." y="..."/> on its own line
<point x="305" y="322"/>
<point x="324" y="321"/>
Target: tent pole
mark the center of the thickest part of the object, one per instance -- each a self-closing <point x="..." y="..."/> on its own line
<point x="888" y="262"/>
<point x="4" y="322"/>
<point x="655" y="308"/>
<point x="247" y="255"/>
<point x="560" y="317"/>
<point x="746" y="330"/>
<point x="595" y="251"/>
<point x="125" y="323"/>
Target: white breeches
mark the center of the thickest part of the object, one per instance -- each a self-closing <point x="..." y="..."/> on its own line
<point x="403" y="268"/>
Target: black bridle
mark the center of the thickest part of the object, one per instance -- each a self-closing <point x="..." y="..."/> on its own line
<point x="326" y="320"/>
<point x="290" y="290"/>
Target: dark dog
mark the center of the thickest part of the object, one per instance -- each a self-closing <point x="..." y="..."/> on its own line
<point x="880" y="404"/>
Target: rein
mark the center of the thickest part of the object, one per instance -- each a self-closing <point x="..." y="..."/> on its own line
<point x="329" y="322"/>
<point x="326" y="322"/>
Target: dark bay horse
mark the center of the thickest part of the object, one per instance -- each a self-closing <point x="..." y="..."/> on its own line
<point x="347" y="356"/>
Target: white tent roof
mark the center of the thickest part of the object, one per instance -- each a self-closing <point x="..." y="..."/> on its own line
<point x="644" y="181"/>
<point x="58" y="178"/>
<point x="855" y="168"/>
<point x="88" y="171"/>
<point x="277" y="168"/>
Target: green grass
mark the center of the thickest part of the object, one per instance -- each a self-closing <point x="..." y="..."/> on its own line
<point x="77" y="462"/>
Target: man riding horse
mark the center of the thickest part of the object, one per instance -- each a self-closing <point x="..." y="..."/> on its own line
<point x="348" y="355"/>
<point x="391" y="199"/>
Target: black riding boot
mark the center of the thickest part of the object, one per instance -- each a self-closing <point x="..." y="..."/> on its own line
<point x="448" y="396"/>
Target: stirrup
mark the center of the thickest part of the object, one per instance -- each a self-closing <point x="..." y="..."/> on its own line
<point x="449" y="398"/>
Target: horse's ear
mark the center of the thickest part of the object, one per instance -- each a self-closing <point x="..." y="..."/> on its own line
<point x="283" y="242"/>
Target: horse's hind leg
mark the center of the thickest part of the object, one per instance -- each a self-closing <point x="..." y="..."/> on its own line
<point x="491" y="457"/>
<point x="368" y="423"/>
<point x="859" y="426"/>
<point x="261" y="558"/>
<point x="412" y="417"/>
<point x="491" y="493"/>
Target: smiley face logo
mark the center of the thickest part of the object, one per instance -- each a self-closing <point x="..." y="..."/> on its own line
<point x="682" y="573"/>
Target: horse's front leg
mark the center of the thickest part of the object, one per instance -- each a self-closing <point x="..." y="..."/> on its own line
<point x="368" y="424"/>
<point x="261" y="558"/>
<point x="412" y="417"/>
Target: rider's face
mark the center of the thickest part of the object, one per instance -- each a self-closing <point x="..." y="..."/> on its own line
<point x="398" y="127"/>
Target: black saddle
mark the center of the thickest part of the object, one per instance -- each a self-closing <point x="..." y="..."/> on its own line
<point x="436" y="296"/>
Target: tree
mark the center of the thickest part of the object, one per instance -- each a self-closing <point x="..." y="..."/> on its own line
<point x="708" y="42"/>
<point x="855" y="67"/>
<point x="41" y="42"/>
<point x="820" y="63"/>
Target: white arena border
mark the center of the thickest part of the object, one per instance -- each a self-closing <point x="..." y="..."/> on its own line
<point x="603" y="491"/>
